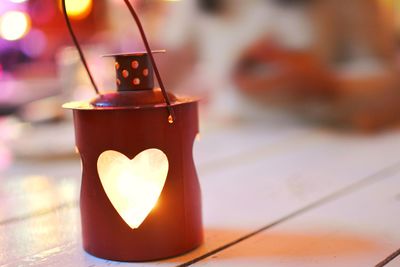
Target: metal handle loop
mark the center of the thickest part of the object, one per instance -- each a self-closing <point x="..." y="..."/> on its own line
<point x="171" y="117"/>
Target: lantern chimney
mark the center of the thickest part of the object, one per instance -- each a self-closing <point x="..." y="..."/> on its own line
<point x="134" y="71"/>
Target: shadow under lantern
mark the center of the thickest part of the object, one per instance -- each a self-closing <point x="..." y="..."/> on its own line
<point x="140" y="195"/>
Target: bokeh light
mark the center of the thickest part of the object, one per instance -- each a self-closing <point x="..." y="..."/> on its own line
<point x="78" y="9"/>
<point x="34" y="44"/>
<point x="14" y="25"/>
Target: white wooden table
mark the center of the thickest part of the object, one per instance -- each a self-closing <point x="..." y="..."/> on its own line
<point x="273" y="195"/>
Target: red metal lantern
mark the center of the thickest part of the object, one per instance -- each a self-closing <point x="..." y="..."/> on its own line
<point x="140" y="195"/>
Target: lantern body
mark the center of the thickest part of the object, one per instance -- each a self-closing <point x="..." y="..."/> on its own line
<point x="174" y="225"/>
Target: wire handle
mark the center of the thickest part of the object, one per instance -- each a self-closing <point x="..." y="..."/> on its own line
<point x="171" y="118"/>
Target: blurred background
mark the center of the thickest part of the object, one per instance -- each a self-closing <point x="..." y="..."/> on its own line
<point x="316" y="62"/>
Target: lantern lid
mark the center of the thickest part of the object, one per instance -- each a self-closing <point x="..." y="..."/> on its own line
<point x="138" y="53"/>
<point x="134" y="71"/>
<point x="129" y="100"/>
<point x="135" y="86"/>
<point x="126" y="99"/>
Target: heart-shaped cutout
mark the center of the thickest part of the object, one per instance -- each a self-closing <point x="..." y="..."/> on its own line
<point x="133" y="186"/>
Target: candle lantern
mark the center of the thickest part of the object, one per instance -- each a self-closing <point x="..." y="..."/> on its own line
<point x="140" y="195"/>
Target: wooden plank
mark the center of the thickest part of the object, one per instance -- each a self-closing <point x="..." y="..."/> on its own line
<point x="358" y="229"/>
<point x="27" y="196"/>
<point x="260" y="190"/>
<point x="56" y="229"/>
<point x="240" y="139"/>
<point x="36" y="186"/>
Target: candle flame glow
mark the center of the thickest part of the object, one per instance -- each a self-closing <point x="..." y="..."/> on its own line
<point x="133" y="186"/>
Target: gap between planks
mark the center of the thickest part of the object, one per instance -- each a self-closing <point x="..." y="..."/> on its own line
<point x="389" y="259"/>
<point x="379" y="175"/>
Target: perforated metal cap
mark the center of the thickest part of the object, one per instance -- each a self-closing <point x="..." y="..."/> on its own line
<point x="134" y="71"/>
